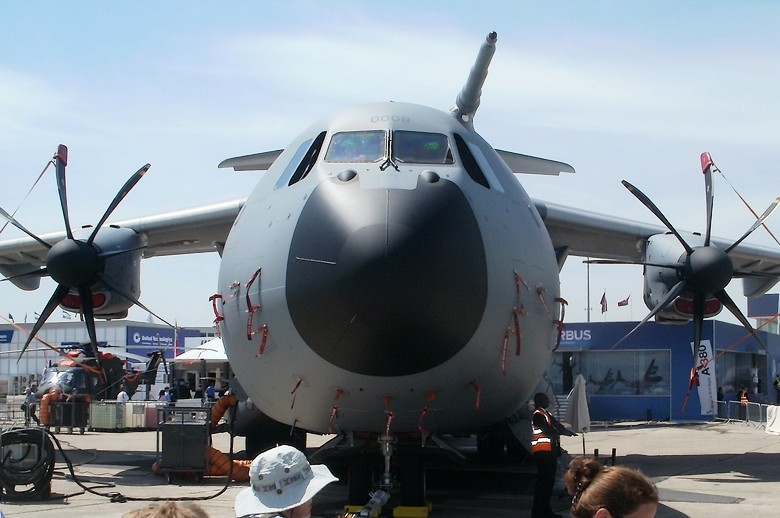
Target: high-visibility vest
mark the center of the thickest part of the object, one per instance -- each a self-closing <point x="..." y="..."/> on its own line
<point x="539" y="440"/>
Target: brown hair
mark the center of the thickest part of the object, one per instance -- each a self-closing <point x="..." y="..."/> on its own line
<point x="168" y="510"/>
<point x="618" y="489"/>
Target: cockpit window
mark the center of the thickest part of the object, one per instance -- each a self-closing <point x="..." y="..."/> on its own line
<point x="357" y="146"/>
<point x="418" y="147"/>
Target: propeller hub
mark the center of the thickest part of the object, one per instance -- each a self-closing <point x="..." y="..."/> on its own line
<point x="707" y="270"/>
<point x="73" y="263"/>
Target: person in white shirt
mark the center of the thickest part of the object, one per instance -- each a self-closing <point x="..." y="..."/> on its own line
<point x="122" y="397"/>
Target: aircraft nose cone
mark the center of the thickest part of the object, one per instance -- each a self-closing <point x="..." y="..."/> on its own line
<point x="400" y="274"/>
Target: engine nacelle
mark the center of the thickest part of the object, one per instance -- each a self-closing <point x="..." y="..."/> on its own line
<point x="123" y="269"/>
<point x="666" y="249"/>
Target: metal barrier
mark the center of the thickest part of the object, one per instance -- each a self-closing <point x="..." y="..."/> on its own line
<point x="747" y="413"/>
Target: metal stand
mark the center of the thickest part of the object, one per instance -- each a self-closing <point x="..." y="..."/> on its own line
<point x="183" y="441"/>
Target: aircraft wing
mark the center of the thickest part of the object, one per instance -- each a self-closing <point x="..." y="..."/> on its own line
<point x="187" y="231"/>
<point x="590" y="234"/>
<point x="204" y="229"/>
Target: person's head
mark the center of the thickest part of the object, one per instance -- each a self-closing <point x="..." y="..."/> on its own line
<point x="27" y="390"/>
<point x="168" y="510"/>
<point x="122" y="387"/>
<point x="609" y="491"/>
<point x="281" y="479"/>
<point x="541" y="400"/>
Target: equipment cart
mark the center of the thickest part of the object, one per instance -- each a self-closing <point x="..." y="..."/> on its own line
<point x="70" y="415"/>
<point x="183" y="441"/>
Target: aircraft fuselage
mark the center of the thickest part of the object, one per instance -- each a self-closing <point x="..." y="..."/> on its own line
<point x="378" y="275"/>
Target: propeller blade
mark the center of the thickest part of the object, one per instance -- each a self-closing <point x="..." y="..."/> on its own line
<point x="126" y="188"/>
<point x="51" y="305"/>
<point x="110" y="283"/>
<point x="673" y="293"/>
<point x="21" y="227"/>
<point x="40" y="272"/>
<point x="724" y="298"/>
<point x="113" y="253"/>
<point x="698" y="324"/>
<point x="655" y="210"/>
<point x="758" y="223"/>
<point x="675" y="266"/>
<point x="87" y="309"/>
<point x="707" y="165"/>
<point x="767" y="275"/>
<point x="60" y="161"/>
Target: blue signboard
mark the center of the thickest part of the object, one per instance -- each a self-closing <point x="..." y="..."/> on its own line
<point x="154" y="336"/>
<point x="141" y="338"/>
<point x="6" y="336"/>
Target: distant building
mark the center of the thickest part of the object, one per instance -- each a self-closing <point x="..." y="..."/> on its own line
<point x="648" y="376"/>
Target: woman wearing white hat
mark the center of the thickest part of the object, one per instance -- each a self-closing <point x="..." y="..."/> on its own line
<point x="282" y="484"/>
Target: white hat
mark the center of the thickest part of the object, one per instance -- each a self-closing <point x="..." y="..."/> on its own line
<point x="281" y="478"/>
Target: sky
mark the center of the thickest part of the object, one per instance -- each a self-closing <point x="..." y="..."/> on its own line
<point x="620" y="90"/>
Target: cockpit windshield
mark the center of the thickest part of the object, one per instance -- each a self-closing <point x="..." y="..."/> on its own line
<point x="409" y="147"/>
<point x="357" y="146"/>
<point x="418" y="147"/>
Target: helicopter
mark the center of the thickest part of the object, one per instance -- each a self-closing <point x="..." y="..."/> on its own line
<point x="97" y="375"/>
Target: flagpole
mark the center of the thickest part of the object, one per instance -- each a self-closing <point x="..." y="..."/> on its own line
<point x="587" y="305"/>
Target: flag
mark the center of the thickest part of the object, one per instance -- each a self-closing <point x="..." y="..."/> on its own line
<point x="10" y="317"/>
<point x="604" y="302"/>
<point x="66" y="315"/>
<point x="36" y="315"/>
<point x="624" y="302"/>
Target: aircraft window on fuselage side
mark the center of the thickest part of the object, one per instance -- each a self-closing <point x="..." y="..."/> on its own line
<point x="357" y="146"/>
<point x="292" y="165"/>
<point x="307" y="164"/>
<point x="419" y="147"/>
<point x="470" y="163"/>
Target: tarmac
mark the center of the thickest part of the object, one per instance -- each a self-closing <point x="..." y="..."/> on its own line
<point x="701" y="470"/>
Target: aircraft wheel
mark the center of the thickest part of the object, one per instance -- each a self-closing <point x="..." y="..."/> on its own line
<point x="490" y="445"/>
<point x="360" y="481"/>
<point x="413" y="483"/>
<point x="272" y="435"/>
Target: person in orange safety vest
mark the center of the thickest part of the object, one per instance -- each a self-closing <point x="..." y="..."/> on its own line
<point x="546" y="448"/>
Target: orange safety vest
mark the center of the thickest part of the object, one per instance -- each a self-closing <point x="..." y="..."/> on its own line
<point x="539" y="440"/>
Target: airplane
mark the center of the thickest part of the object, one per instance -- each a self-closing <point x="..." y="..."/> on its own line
<point x="606" y="383"/>
<point x="388" y="280"/>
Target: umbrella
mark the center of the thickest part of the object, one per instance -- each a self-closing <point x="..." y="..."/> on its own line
<point x="577" y="413"/>
<point x="213" y="350"/>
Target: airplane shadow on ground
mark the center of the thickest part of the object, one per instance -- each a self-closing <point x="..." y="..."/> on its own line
<point x="728" y="471"/>
<point x="749" y="467"/>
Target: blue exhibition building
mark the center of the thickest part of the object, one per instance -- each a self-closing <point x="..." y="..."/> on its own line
<point x="647" y="376"/>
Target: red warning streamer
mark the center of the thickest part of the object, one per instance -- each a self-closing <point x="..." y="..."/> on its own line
<point x="251" y="308"/>
<point x="478" y="390"/>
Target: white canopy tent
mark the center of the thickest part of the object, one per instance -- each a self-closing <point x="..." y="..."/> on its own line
<point x="213" y="350"/>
